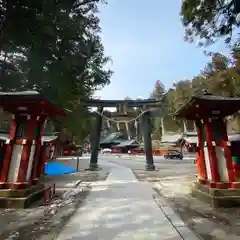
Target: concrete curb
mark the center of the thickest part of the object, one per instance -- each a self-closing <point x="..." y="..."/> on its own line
<point x="181" y="227"/>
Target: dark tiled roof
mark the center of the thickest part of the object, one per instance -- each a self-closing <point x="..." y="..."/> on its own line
<point x="217" y="98"/>
<point x="207" y="106"/>
<point x="234" y="137"/>
<point x="171" y="138"/>
<point x="116" y="137"/>
<point x="23" y="93"/>
<point x="28" y="102"/>
<point x="128" y="143"/>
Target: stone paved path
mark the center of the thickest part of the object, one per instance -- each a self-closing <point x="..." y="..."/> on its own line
<point x="121" y="208"/>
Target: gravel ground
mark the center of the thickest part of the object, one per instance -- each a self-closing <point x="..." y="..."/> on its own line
<point x="44" y="222"/>
<point x="207" y="223"/>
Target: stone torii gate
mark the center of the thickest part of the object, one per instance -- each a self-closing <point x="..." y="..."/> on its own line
<point x="150" y="108"/>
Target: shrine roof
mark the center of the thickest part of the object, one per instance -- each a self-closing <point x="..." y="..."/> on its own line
<point x="168" y="138"/>
<point x="4" y="136"/>
<point x="128" y="143"/>
<point x="48" y="139"/>
<point x="191" y="139"/>
<point x="28" y="93"/>
<point x="29" y="102"/>
<point x="234" y="137"/>
<point x="208" y="106"/>
<point x="116" y="137"/>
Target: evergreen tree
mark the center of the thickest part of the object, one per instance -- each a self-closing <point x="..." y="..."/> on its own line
<point x="55" y="48"/>
<point x="158" y="94"/>
<point x="209" y="20"/>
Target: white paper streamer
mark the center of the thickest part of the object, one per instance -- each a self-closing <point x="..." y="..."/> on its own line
<point x="127" y="128"/>
<point x="108" y="124"/>
<point x="118" y="126"/>
<point x="136" y="124"/>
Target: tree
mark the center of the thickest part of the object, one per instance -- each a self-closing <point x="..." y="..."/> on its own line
<point x="59" y="51"/>
<point x="158" y="91"/>
<point x="220" y="77"/>
<point x="158" y="94"/>
<point x="183" y="93"/>
<point x="171" y="124"/>
<point x="217" y="75"/>
<point x="209" y="20"/>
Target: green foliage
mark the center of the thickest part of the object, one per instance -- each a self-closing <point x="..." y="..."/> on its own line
<point x="55" y="48"/>
<point x="158" y="93"/>
<point x="183" y="92"/>
<point x="206" y="22"/>
<point x="209" y="20"/>
<point x="221" y="76"/>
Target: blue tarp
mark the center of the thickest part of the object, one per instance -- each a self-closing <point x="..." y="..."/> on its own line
<point x="58" y="169"/>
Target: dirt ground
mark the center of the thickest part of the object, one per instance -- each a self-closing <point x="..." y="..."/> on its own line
<point x="44" y="222"/>
<point x="207" y="223"/>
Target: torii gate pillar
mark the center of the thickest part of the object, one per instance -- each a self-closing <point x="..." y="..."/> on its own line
<point x="95" y="140"/>
<point x="146" y="125"/>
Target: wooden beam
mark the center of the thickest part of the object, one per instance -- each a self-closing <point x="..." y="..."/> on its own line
<point x="114" y="103"/>
<point x="153" y="112"/>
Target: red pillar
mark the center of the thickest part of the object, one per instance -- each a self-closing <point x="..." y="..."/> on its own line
<point x="201" y="165"/>
<point x="31" y="125"/>
<point x="38" y="152"/>
<point x="211" y="150"/>
<point x="8" y="152"/>
<point x="42" y="160"/>
<point x="227" y="152"/>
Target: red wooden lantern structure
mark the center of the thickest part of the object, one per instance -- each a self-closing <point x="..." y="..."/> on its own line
<point x="23" y="159"/>
<point x="214" y="160"/>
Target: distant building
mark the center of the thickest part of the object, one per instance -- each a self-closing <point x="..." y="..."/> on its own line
<point x="189" y="141"/>
<point x="171" y="139"/>
<point x="112" y="140"/>
<point x="125" y="147"/>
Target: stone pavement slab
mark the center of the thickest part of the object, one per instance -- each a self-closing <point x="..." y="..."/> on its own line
<point x="121" y="208"/>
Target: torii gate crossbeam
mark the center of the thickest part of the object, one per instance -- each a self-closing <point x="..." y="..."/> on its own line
<point x="145" y="119"/>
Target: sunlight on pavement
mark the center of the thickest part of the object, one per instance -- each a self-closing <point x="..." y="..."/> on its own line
<point x="121" y="208"/>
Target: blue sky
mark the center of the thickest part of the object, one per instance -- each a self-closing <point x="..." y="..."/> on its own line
<point x="145" y="42"/>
